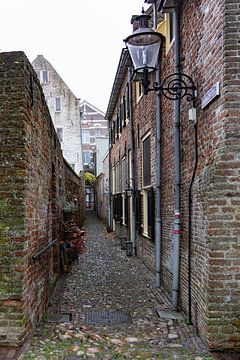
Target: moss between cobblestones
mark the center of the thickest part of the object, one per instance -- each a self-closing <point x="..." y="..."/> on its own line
<point x="52" y="349"/>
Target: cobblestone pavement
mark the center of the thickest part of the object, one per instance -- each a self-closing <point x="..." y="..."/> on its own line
<point x="103" y="279"/>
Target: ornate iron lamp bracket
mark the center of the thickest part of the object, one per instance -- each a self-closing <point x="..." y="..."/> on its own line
<point x="173" y="87"/>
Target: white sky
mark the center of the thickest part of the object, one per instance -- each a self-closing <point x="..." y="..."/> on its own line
<point x="82" y="39"/>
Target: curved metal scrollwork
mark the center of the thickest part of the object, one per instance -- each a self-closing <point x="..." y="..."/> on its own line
<point x="176" y="86"/>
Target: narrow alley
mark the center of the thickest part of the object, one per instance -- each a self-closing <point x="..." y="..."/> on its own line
<point x="111" y="308"/>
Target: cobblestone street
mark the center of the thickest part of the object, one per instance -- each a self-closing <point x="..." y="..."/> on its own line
<point x="104" y="279"/>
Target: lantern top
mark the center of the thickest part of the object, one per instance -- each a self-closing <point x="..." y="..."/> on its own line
<point x="144" y="45"/>
<point x="143" y="35"/>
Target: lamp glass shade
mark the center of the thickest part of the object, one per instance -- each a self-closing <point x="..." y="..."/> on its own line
<point x="144" y="47"/>
<point x="144" y="56"/>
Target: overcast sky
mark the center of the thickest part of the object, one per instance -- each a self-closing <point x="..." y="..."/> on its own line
<point x="81" y="39"/>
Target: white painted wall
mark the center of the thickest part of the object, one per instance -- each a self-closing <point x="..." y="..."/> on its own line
<point x="68" y="119"/>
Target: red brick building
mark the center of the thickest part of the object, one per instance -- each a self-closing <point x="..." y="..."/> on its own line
<point x="183" y="215"/>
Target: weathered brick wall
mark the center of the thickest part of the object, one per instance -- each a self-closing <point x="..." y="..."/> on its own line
<point x="76" y="187"/>
<point x="209" y="54"/>
<point x="32" y="192"/>
<point x="202" y="58"/>
<point x="223" y="198"/>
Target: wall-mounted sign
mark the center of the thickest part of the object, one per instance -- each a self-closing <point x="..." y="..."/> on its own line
<point x="211" y="95"/>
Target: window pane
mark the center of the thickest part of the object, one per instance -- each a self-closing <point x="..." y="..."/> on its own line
<point x="171" y="27"/>
<point x="45" y="76"/>
<point x="85" y="136"/>
<point x="86" y="157"/>
<point x="58" y="104"/>
<point x="146" y="162"/>
<point x="60" y="134"/>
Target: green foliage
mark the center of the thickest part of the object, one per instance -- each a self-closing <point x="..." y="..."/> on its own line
<point x="89" y="178"/>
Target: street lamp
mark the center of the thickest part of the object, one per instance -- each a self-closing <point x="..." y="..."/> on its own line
<point x="129" y="189"/>
<point x="144" y="46"/>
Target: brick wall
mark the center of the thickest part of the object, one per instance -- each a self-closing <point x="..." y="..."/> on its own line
<point x="34" y="181"/>
<point x="209" y="54"/>
<point x="101" y="192"/>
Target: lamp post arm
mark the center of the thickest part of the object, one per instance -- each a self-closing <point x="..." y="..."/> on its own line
<point x="173" y="87"/>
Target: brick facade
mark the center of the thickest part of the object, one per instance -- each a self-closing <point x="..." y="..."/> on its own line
<point x="209" y="33"/>
<point x="34" y="180"/>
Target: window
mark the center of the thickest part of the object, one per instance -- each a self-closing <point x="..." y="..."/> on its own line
<point x="170" y="27"/>
<point x="118" y="181"/>
<point x="146" y="161"/>
<point x="58" y="104"/>
<point x="166" y="28"/>
<point x="60" y="134"/>
<point x="147" y="197"/>
<point x="86" y="157"/>
<point x="42" y="76"/>
<point x="127" y="100"/>
<point x="117" y="207"/>
<point x="124" y="197"/>
<point x="139" y="90"/>
<point x="85" y="136"/>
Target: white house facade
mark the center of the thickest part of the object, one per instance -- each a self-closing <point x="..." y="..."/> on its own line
<point x="64" y="110"/>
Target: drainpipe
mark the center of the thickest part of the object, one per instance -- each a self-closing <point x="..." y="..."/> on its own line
<point x="155" y="15"/>
<point x="133" y="184"/>
<point x="110" y="182"/>
<point x="158" y="222"/>
<point x="176" y="238"/>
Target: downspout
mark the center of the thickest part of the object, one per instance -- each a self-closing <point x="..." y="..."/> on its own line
<point x="133" y="182"/>
<point x="110" y="181"/>
<point x="158" y="222"/>
<point x="176" y="238"/>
